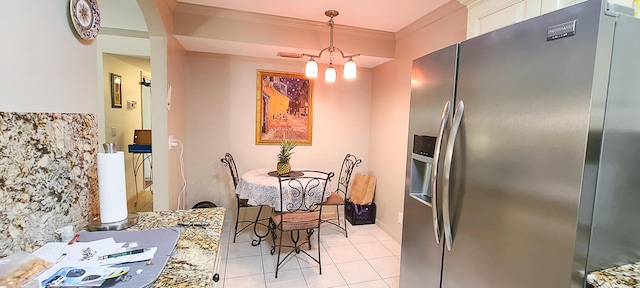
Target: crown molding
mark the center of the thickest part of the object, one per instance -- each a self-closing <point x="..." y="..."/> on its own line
<point x="433" y="16"/>
<point x="123" y="32"/>
<point x="471" y="3"/>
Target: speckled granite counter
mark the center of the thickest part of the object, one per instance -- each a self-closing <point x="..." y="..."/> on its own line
<point x="618" y="277"/>
<point x="197" y="249"/>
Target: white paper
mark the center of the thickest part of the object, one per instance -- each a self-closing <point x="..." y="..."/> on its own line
<point x="54" y="251"/>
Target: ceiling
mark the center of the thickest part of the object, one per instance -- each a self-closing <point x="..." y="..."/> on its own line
<point x="376" y="15"/>
<point x="383" y="15"/>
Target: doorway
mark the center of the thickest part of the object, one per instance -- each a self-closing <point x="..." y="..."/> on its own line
<point x="145" y="84"/>
<point x="124" y="124"/>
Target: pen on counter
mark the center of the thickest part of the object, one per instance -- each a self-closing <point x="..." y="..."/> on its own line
<point x="74" y="239"/>
<point x="192" y="224"/>
<point x="135" y="251"/>
<point x="60" y="258"/>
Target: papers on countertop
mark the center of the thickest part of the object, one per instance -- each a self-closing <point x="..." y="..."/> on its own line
<point x="86" y="254"/>
<point x="144" y="256"/>
<point x="83" y="276"/>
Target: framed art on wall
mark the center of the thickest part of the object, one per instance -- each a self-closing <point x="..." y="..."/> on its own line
<point x="116" y="91"/>
<point x="284" y="107"/>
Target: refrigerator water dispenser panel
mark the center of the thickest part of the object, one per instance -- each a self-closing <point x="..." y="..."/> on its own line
<point x="421" y="166"/>
<point x="424" y="145"/>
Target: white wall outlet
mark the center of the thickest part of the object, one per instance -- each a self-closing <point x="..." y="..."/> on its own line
<point x="173" y="142"/>
<point x="113" y="132"/>
<point x="400" y="217"/>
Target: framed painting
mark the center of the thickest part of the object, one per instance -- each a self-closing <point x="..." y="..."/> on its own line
<point x="284" y="108"/>
<point x="116" y="91"/>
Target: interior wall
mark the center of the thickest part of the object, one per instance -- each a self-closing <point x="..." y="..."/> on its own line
<point x="53" y="72"/>
<point x="49" y="71"/>
<point x="124" y="120"/>
<point x="222" y="118"/>
<point x="176" y="122"/>
<point x="157" y="15"/>
<point x="391" y="91"/>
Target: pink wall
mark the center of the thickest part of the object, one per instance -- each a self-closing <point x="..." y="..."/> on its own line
<point x="221" y="102"/>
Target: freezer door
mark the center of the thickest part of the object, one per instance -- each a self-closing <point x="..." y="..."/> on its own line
<point x="433" y="80"/>
<point x="519" y="156"/>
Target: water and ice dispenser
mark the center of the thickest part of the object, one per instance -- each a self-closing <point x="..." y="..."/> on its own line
<point x="421" y="166"/>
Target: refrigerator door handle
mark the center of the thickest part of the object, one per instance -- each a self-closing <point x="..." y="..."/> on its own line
<point x="448" y="155"/>
<point x="437" y="230"/>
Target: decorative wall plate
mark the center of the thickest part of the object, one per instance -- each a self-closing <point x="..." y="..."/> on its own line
<point x="85" y="17"/>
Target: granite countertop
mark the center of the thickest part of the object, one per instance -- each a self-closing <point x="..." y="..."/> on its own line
<point x="193" y="263"/>
<point x="618" y="277"/>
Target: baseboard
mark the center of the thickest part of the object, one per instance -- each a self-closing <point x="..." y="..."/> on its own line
<point x="387" y="230"/>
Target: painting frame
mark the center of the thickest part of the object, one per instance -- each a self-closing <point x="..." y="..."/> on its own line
<point x="289" y="115"/>
<point x="116" y="91"/>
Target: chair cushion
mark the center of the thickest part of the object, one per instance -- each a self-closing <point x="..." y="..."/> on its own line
<point x="297" y="221"/>
<point x="334" y="199"/>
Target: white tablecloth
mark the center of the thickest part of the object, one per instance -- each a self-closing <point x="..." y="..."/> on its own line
<point x="261" y="189"/>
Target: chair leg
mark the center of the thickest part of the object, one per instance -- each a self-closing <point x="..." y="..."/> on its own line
<point x="319" y="262"/>
<point x="344" y="219"/>
<point x="279" y="251"/>
<point x="235" y="232"/>
<point x="272" y="228"/>
<point x="309" y="233"/>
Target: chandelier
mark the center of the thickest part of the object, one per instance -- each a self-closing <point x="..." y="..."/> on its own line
<point x="311" y="69"/>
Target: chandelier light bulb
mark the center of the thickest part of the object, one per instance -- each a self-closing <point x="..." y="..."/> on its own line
<point x="311" y="70"/>
<point x="350" y="69"/>
<point x="330" y="74"/>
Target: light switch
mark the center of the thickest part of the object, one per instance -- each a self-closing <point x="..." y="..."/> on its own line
<point x="113" y="132"/>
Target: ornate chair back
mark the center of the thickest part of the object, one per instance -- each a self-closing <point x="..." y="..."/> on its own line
<point x="300" y="210"/>
<point x="229" y="162"/>
<point x="349" y="162"/>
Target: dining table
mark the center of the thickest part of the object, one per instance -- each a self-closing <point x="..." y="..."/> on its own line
<point x="261" y="187"/>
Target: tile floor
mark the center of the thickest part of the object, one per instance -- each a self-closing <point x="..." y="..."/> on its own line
<point x="368" y="258"/>
<point x="145" y="202"/>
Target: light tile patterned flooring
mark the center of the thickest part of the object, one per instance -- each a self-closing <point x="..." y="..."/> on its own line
<point x="145" y="202"/>
<point x="367" y="258"/>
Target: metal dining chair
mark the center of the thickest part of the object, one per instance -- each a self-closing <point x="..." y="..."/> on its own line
<point x="241" y="203"/>
<point x="338" y="197"/>
<point x="300" y="211"/>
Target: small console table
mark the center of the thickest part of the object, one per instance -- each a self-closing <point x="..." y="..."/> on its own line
<point x="141" y="153"/>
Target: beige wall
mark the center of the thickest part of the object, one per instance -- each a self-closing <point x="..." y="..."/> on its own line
<point x="166" y="58"/>
<point x="44" y="67"/>
<point x="222" y="118"/>
<point x="176" y="119"/>
<point x="391" y="90"/>
<point x="124" y="120"/>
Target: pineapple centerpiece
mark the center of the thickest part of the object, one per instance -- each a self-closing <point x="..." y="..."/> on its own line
<point x="284" y="156"/>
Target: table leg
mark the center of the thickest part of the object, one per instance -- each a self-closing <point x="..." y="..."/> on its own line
<point x="256" y="242"/>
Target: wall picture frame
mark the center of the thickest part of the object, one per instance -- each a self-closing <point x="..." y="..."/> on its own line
<point x="284" y="108"/>
<point x="116" y="91"/>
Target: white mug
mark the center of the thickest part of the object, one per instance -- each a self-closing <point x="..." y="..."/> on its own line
<point x="66" y="233"/>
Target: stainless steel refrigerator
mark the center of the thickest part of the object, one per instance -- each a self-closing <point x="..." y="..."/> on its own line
<point x="523" y="163"/>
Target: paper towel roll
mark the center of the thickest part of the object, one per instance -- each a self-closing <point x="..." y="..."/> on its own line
<point x="112" y="187"/>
